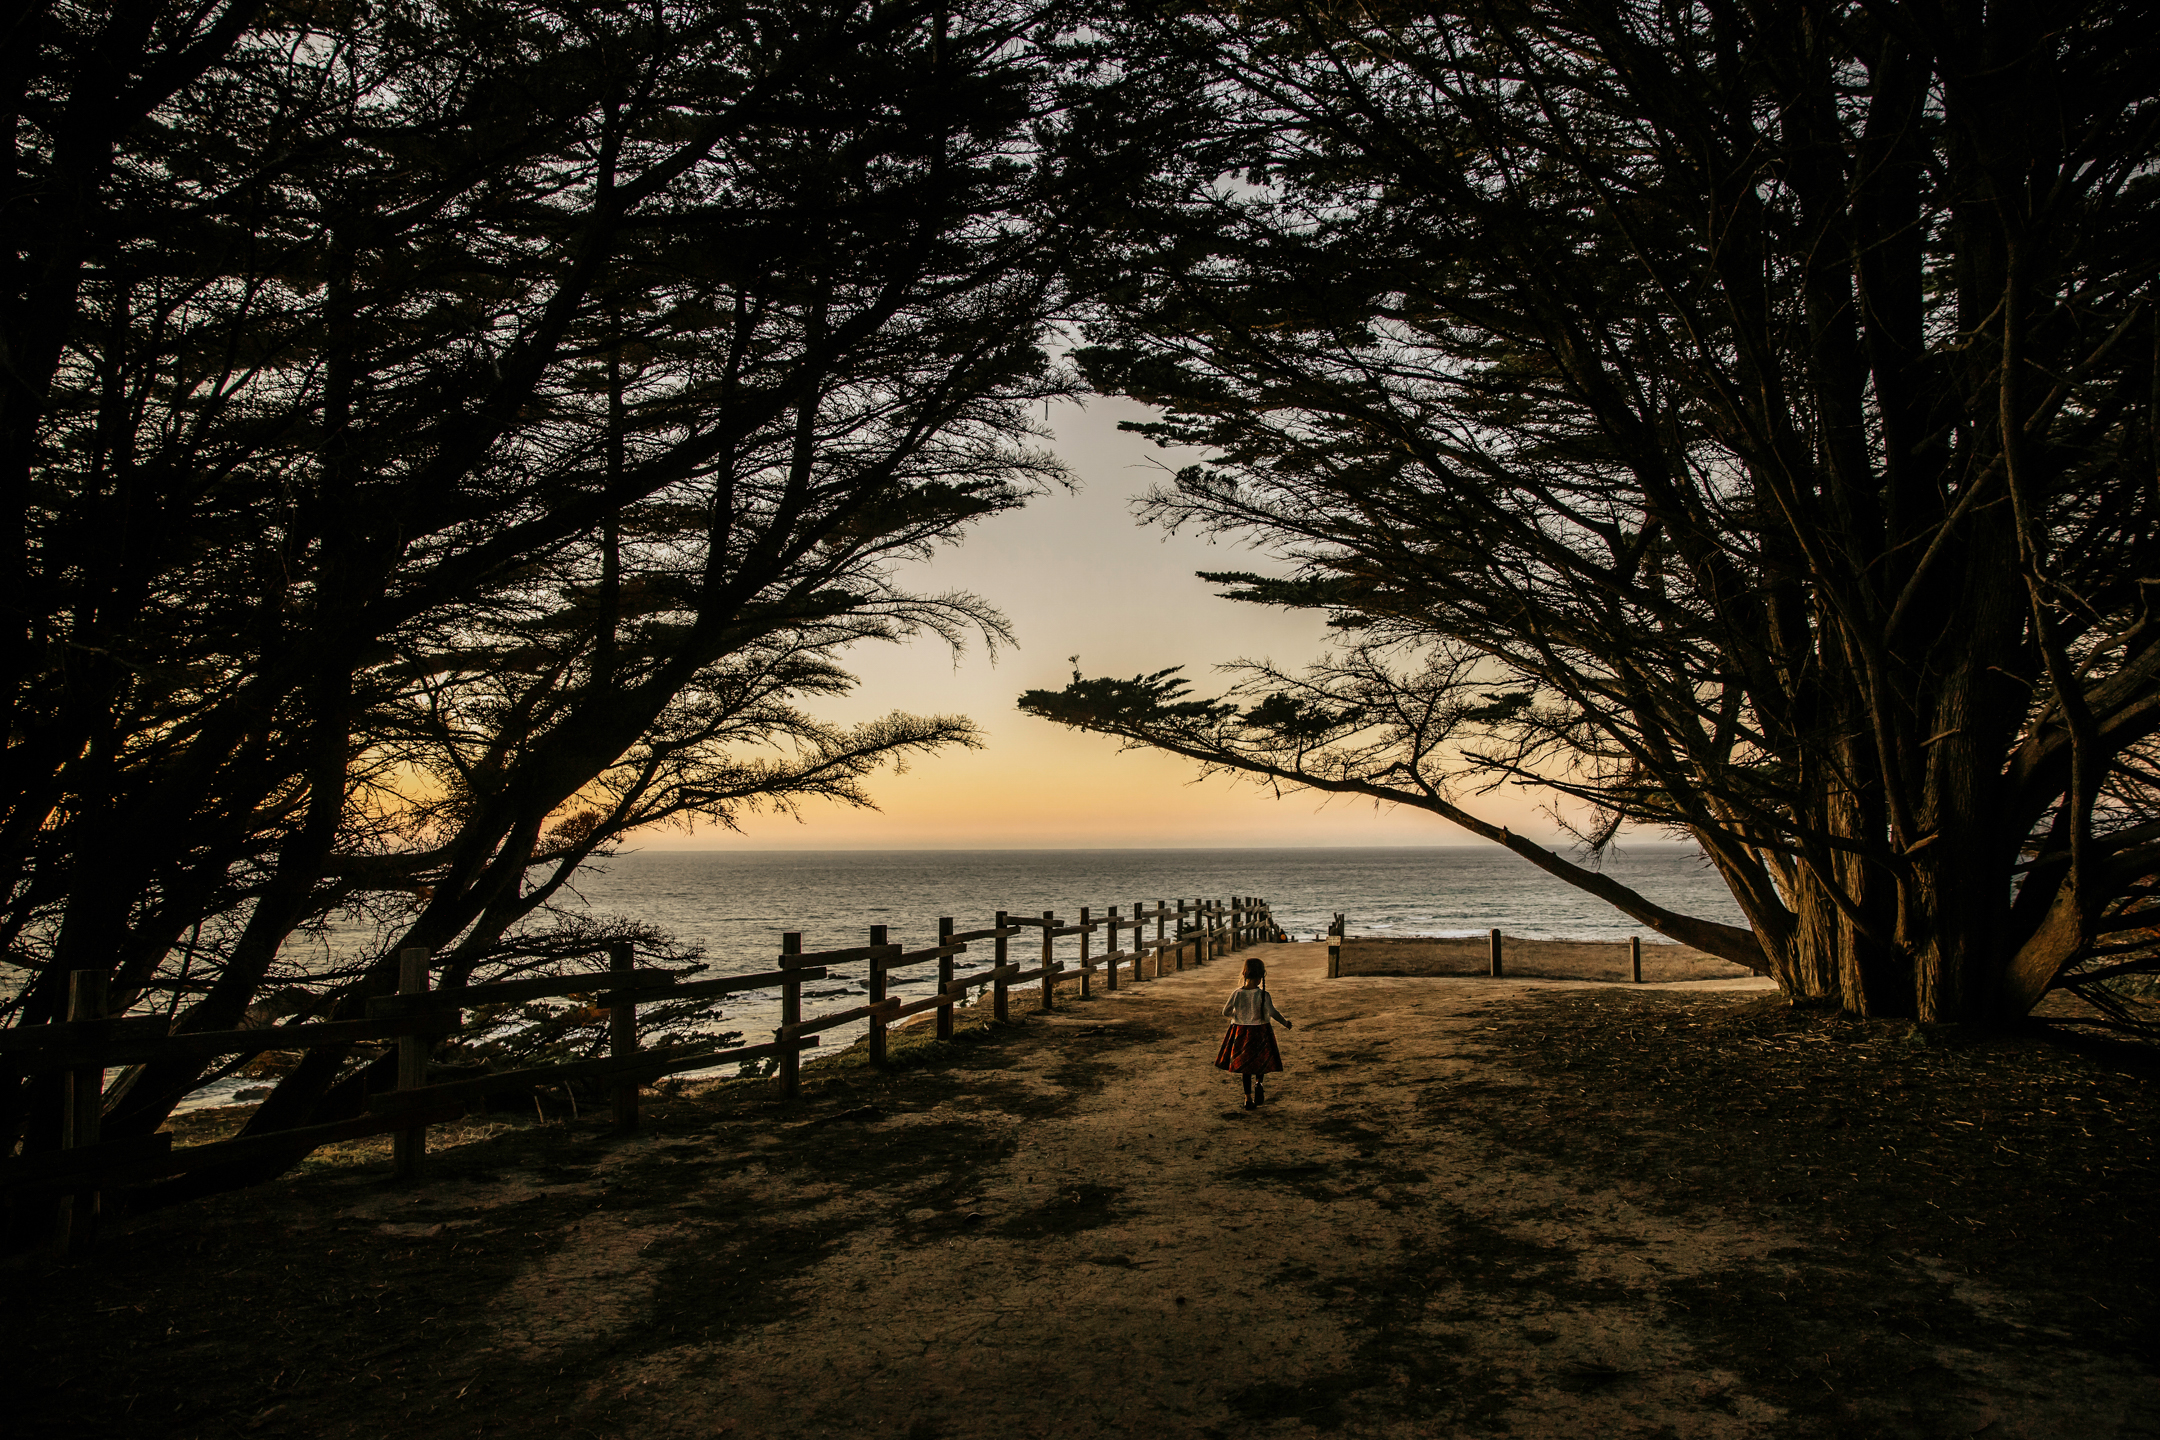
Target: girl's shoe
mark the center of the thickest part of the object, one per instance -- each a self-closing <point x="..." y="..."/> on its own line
<point x="1259" y="1094"/>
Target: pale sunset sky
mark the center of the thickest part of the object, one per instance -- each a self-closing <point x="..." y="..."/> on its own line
<point x="1076" y="575"/>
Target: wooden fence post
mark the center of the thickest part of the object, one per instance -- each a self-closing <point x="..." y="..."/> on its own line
<point x="998" y="986"/>
<point x="944" y="978"/>
<point x="1085" y="936"/>
<point x="1634" y="954"/>
<point x="1179" y="951"/>
<point x="408" y="1147"/>
<point x="1110" y="951"/>
<point x="1139" y="941"/>
<point x="622" y="1039"/>
<point x="82" y="1117"/>
<point x="790" y="1014"/>
<point x="1495" y="946"/>
<point x="1334" y="949"/>
<point x="877" y="997"/>
<point x="1160" y="907"/>
<point x="1049" y="981"/>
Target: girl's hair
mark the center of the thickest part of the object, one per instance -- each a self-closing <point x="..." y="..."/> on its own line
<point x="1255" y="968"/>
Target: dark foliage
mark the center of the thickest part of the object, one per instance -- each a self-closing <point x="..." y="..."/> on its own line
<point x="1728" y="420"/>
<point x="439" y="439"/>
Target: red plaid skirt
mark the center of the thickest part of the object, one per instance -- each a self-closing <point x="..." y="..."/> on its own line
<point x="1249" y="1049"/>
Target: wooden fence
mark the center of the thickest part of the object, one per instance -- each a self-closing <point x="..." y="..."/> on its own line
<point x="1338" y="935"/>
<point x="90" y="1041"/>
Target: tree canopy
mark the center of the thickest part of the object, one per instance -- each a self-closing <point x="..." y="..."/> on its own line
<point x="441" y="438"/>
<point x="1739" y="422"/>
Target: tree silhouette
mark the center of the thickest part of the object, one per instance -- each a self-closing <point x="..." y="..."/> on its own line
<point x="441" y="439"/>
<point x="1735" y="421"/>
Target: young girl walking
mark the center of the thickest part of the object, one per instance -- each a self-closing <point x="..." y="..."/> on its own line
<point x="1248" y="1046"/>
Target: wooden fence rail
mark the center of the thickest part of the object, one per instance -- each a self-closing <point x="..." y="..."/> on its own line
<point x="89" y="1042"/>
<point x="1495" y="956"/>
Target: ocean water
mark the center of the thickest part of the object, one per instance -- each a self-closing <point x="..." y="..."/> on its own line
<point x="739" y="903"/>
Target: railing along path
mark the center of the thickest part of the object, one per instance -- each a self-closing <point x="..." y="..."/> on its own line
<point x="90" y="1042"/>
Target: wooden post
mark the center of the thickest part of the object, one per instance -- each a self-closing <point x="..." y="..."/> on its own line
<point x="1139" y="938"/>
<point x="1049" y="981"/>
<point x="998" y="987"/>
<point x="1334" y="949"/>
<point x="790" y="1014"/>
<point x="1495" y="953"/>
<point x="408" y="1147"/>
<point x="1110" y="945"/>
<point x="877" y="996"/>
<point x="944" y="978"/>
<point x="1634" y="955"/>
<point x="1180" y="935"/>
<point x="82" y="1117"/>
<point x="622" y="1039"/>
<point x="1084" y="938"/>
<point x="1160" y="907"/>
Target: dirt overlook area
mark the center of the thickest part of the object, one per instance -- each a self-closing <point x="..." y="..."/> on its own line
<point x="1471" y="1207"/>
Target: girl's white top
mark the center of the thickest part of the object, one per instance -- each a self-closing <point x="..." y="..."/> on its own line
<point x="1253" y="1007"/>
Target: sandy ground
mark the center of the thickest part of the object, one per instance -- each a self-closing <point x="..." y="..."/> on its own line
<point x="1076" y="1229"/>
<point x="1209" y="1261"/>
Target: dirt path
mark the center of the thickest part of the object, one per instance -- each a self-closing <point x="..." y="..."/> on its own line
<point x="1154" y="1260"/>
<point x="1077" y="1230"/>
